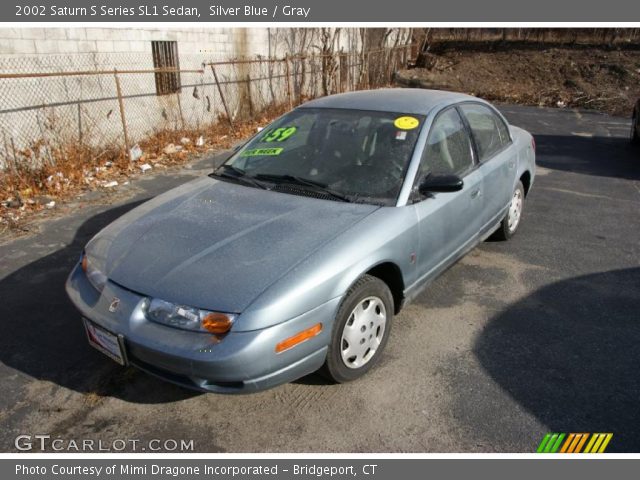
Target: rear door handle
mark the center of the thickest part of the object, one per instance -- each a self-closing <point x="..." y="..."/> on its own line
<point x="475" y="193"/>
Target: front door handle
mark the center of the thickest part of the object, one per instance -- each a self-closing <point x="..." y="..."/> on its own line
<point x="475" y="193"/>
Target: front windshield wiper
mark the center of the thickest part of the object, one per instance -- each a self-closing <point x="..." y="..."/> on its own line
<point x="304" y="182"/>
<point x="233" y="173"/>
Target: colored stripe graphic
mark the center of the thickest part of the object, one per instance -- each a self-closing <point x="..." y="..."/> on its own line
<point x="581" y="443"/>
<point x="543" y="443"/>
<point x="556" y="443"/>
<point x="604" y="445"/>
<point x="570" y="440"/>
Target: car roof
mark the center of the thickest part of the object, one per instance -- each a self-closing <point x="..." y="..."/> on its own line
<point x="417" y="101"/>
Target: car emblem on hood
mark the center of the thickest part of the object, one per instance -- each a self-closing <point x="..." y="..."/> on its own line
<point x="114" y="304"/>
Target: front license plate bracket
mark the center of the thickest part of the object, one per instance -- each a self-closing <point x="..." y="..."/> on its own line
<point x="106" y="342"/>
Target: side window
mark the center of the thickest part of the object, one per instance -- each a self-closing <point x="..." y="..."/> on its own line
<point x="488" y="129"/>
<point x="448" y="148"/>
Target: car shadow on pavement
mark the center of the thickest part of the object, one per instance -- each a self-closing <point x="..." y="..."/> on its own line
<point x="600" y="156"/>
<point x="569" y="354"/>
<point x="44" y="338"/>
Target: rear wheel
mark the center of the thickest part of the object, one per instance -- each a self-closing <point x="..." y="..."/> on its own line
<point x="360" y="331"/>
<point x="511" y="220"/>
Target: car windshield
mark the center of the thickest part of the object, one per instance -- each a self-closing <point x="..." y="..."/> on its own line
<point x="349" y="155"/>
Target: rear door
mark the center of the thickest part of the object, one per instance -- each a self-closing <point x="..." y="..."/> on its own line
<point x="497" y="158"/>
<point x="448" y="222"/>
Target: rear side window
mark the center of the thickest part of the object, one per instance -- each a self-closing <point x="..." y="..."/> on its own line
<point x="489" y="130"/>
<point x="448" y="149"/>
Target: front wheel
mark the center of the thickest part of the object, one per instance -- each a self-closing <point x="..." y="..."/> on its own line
<point x="511" y="220"/>
<point x="360" y="331"/>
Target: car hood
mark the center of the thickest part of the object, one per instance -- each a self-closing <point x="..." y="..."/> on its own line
<point x="216" y="245"/>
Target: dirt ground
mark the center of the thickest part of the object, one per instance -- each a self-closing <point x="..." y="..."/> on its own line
<point x="603" y="79"/>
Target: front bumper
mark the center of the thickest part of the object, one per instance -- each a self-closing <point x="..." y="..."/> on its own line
<point x="240" y="362"/>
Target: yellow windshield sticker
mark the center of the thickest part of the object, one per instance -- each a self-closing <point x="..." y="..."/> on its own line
<point x="406" y="123"/>
<point x="256" y="152"/>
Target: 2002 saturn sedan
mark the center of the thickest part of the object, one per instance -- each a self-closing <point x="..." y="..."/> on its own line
<point x="297" y="252"/>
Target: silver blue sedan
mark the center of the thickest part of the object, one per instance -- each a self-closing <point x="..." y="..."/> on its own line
<point x="297" y="252"/>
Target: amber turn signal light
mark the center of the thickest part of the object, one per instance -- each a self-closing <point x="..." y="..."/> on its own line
<point x="300" y="337"/>
<point x="84" y="263"/>
<point x="217" y="323"/>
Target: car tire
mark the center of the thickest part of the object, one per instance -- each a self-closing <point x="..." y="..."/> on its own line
<point x="360" y="331"/>
<point x="635" y="139"/>
<point x="511" y="221"/>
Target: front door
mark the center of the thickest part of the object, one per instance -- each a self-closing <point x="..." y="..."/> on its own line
<point x="448" y="222"/>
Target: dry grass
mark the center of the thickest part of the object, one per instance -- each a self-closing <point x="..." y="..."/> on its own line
<point x="28" y="186"/>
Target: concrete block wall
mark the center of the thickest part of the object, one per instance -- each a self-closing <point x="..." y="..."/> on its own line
<point x="55" y="108"/>
<point x="217" y="43"/>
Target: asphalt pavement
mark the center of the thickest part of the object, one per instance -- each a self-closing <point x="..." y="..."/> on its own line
<point x="539" y="334"/>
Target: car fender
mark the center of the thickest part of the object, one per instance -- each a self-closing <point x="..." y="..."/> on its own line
<point x="387" y="235"/>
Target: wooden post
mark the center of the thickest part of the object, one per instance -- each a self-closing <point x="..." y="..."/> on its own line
<point x="288" y="73"/>
<point x="122" y="117"/>
<point x="224" y="102"/>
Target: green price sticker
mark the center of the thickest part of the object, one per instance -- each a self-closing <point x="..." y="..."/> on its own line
<point x="257" y="152"/>
<point x="279" y="134"/>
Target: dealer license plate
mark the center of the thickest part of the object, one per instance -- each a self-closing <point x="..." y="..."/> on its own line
<point x="106" y="342"/>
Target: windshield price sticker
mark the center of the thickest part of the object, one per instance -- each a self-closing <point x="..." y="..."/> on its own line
<point x="256" y="152"/>
<point x="406" y="123"/>
<point x="279" y="134"/>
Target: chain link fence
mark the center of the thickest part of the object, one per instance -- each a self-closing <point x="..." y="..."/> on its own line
<point x="107" y="102"/>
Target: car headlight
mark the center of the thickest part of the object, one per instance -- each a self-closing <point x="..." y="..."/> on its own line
<point x="95" y="276"/>
<point x="187" y="318"/>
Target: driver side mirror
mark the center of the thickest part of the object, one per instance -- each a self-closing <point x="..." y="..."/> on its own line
<point x="440" y="183"/>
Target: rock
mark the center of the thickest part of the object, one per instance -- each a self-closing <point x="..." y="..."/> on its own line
<point x="110" y="184"/>
<point x="145" y="167"/>
<point x="50" y="205"/>
<point x="185" y="141"/>
<point x="200" y="141"/>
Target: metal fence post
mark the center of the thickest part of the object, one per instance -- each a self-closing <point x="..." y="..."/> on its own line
<point x="180" y="108"/>
<point x="122" y="117"/>
<point x="288" y="74"/>
<point x="249" y="99"/>
<point x="224" y="102"/>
